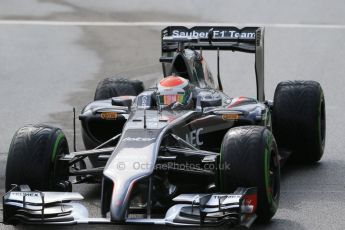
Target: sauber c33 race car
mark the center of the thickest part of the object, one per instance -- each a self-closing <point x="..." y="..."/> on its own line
<point x="204" y="160"/>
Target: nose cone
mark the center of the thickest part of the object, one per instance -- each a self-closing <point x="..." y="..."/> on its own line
<point x="134" y="158"/>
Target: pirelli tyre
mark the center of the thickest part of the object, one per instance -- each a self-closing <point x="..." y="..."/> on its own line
<point x="299" y="119"/>
<point x="32" y="158"/>
<point x="249" y="158"/>
<point x="108" y="88"/>
<point x="112" y="87"/>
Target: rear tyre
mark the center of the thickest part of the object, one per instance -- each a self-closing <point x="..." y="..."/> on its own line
<point x="32" y="158"/>
<point x="109" y="87"/>
<point x="299" y="119"/>
<point x="252" y="156"/>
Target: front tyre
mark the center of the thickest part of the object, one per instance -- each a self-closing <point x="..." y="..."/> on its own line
<point x="252" y="156"/>
<point x="33" y="157"/>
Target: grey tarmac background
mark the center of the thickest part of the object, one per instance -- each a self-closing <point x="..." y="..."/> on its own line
<point x="46" y="69"/>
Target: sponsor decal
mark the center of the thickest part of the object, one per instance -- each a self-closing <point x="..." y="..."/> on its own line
<point x="22" y="194"/>
<point x="144" y="100"/>
<point x="227" y="196"/>
<point x="216" y="34"/>
<point x="193" y="137"/>
<point x="230" y="116"/>
<point x="109" y="115"/>
<point x="139" y="139"/>
<point x="249" y="203"/>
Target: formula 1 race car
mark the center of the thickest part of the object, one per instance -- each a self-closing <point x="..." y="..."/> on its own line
<point x="182" y="153"/>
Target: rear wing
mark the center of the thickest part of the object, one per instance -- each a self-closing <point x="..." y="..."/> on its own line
<point x="224" y="38"/>
<point x="247" y="39"/>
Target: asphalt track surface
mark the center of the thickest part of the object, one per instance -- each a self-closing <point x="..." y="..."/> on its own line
<point x="53" y="53"/>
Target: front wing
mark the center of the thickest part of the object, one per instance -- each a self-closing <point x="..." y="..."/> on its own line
<point x="62" y="208"/>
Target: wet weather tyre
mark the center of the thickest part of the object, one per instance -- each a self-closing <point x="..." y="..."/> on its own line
<point x="299" y="119"/>
<point x="108" y="88"/>
<point x="111" y="87"/>
<point x="32" y="157"/>
<point x="251" y="154"/>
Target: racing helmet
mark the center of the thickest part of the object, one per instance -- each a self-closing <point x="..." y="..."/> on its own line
<point x="172" y="90"/>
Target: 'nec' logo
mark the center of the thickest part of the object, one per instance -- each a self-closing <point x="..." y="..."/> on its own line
<point x="193" y="137"/>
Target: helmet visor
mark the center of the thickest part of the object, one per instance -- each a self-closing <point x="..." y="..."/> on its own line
<point x="172" y="98"/>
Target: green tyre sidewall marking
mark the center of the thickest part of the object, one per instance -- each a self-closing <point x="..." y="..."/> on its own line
<point x="53" y="157"/>
<point x="56" y="144"/>
<point x="269" y="194"/>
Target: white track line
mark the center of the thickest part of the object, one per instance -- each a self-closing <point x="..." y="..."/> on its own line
<point x="140" y="24"/>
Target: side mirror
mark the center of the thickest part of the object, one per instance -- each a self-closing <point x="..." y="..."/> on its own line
<point x="209" y="99"/>
<point x="122" y="102"/>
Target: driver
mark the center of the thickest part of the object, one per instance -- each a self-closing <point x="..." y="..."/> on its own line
<point x="174" y="92"/>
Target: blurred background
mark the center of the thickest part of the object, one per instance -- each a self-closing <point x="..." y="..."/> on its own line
<point x="53" y="54"/>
